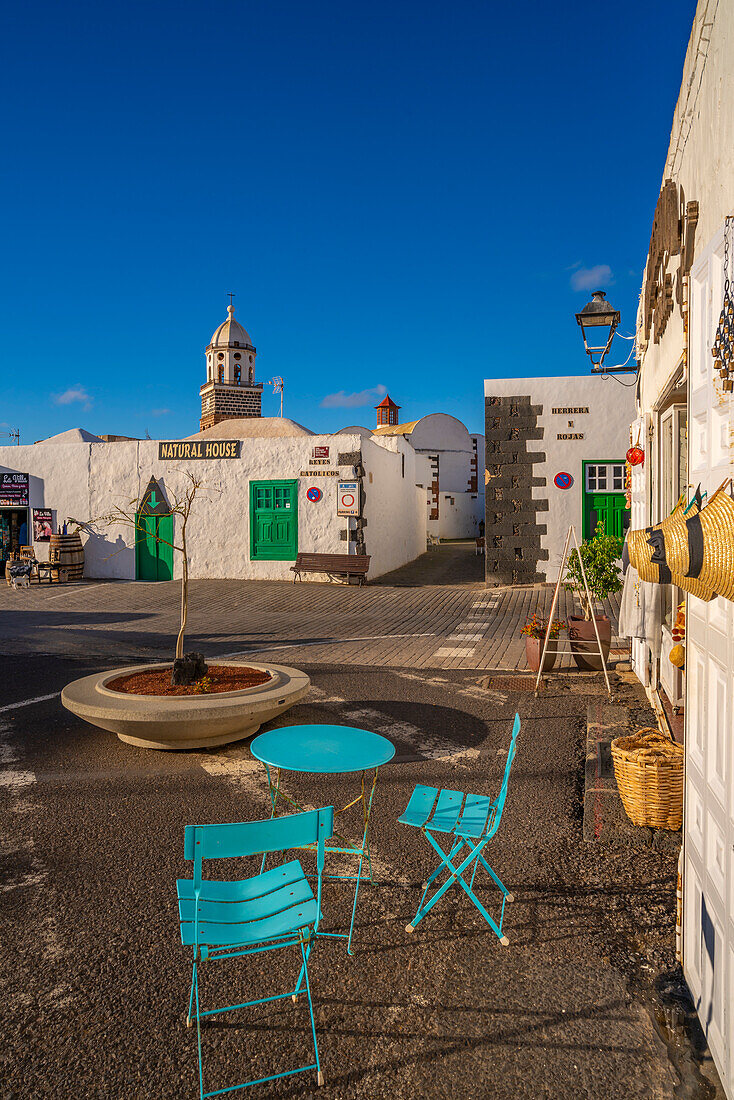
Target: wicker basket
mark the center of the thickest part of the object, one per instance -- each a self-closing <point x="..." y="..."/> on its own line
<point x="649" y="772"/>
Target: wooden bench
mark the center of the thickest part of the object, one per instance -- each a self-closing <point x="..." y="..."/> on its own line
<point x="349" y="565"/>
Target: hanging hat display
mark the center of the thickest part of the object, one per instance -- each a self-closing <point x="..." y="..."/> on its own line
<point x="693" y="549"/>
<point x="643" y="557"/>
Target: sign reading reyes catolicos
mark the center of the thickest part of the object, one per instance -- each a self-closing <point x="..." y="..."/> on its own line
<point x="199" y="448"/>
<point x="14" y="490"/>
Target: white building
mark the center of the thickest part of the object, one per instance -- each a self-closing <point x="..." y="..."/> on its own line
<point x="449" y="460"/>
<point x="686" y="427"/>
<point x="254" y="512"/>
<point x="270" y="487"/>
<point x="555" y="451"/>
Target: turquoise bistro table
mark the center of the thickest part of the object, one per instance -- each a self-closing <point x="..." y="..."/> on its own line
<point x="328" y="750"/>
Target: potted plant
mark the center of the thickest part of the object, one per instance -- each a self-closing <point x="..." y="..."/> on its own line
<point x="600" y="557"/>
<point x="534" y="631"/>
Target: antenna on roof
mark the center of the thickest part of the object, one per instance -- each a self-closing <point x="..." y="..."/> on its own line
<point x="277" y="384"/>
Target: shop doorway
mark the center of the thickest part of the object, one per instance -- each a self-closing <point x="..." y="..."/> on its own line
<point x="13" y="533"/>
<point x="153" y="547"/>
<point x="603" y="499"/>
<point x="273" y="520"/>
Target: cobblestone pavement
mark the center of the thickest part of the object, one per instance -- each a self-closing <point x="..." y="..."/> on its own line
<point x="434" y="613"/>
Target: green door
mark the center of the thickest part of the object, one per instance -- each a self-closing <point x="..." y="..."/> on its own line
<point x="607" y="508"/>
<point x="153" y="549"/>
<point x="273" y="520"/>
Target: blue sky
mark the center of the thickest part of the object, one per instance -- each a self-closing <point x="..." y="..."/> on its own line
<point x="388" y="189"/>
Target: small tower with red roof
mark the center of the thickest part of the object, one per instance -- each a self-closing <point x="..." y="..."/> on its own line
<point x="387" y="412"/>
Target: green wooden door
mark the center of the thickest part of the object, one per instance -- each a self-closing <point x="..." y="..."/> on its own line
<point x="607" y="508"/>
<point x="273" y="520"/>
<point x="153" y="549"/>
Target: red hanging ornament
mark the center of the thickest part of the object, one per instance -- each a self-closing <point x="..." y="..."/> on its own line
<point x="635" y="455"/>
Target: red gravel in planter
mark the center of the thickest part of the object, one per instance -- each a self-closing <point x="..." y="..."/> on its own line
<point x="158" y="681"/>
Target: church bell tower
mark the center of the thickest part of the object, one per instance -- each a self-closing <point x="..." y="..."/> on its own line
<point x="230" y="391"/>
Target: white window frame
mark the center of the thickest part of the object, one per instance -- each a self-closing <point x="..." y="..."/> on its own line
<point x="610" y="476"/>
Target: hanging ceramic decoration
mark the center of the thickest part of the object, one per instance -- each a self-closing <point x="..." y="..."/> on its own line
<point x="679" y="626"/>
<point x="627" y="487"/>
<point x="723" y="348"/>
<point x="692" y="548"/>
<point x="677" y="656"/>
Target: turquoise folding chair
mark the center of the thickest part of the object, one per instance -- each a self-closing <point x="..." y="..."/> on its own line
<point x="471" y="820"/>
<point x="274" y="909"/>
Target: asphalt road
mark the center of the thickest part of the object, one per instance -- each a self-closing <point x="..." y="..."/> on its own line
<point x="95" y="981"/>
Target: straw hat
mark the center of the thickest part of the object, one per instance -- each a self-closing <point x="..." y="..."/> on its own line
<point x="641" y="553"/>
<point x="694" y="552"/>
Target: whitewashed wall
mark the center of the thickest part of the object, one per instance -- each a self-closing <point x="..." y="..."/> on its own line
<point x="83" y="481"/>
<point x="701" y="159"/>
<point x="394" y="506"/>
<point x="605" y="429"/>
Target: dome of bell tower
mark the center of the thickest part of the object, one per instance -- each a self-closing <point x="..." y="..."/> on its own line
<point x="230" y="333"/>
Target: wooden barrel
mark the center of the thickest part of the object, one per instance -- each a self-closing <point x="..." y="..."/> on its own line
<point x="68" y="552"/>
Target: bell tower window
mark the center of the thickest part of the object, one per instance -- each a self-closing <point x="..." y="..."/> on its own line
<point x="238" y="374"/>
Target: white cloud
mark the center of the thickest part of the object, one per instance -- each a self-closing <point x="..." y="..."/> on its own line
<point x="74" y="394"/>
<point x="161" y="412"/>
<point x="591" y="278"/>
<point x="342" y="400"/>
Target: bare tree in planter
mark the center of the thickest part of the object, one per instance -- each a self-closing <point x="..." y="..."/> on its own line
<point x="190" y="667"/>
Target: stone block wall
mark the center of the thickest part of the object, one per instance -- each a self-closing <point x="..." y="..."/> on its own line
<point x="220" y="401"/>
<point x="513" y="533"/>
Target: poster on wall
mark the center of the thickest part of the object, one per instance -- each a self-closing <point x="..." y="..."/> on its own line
<point x="347" y="498"/>
<point x="42" y="524"/>
<point x="13" y="490"/>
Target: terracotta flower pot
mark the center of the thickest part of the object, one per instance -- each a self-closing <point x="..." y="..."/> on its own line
<point x="533" y="650"/>
<point x="583" y="641"/>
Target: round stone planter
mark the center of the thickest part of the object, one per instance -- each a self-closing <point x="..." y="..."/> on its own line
<point x="184" y="721"/>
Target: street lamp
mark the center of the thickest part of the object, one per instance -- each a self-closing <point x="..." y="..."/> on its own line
<point x="598" y="320"/>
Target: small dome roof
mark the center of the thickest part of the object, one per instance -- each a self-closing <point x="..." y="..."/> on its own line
<point x="253" y="427"/>
<point x="73" y="435"/>
<point x="230" y="332"/>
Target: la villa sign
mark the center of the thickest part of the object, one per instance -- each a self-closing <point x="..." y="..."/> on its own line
<point x="199" y="448"/>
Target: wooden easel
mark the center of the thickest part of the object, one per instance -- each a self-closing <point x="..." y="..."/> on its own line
<point x="564" y="558"/>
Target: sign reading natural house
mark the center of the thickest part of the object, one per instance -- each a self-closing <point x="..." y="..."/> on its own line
<point x="199" y="448"/>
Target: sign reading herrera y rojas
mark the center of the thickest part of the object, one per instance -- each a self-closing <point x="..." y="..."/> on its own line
<point x="200" y="448"/>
